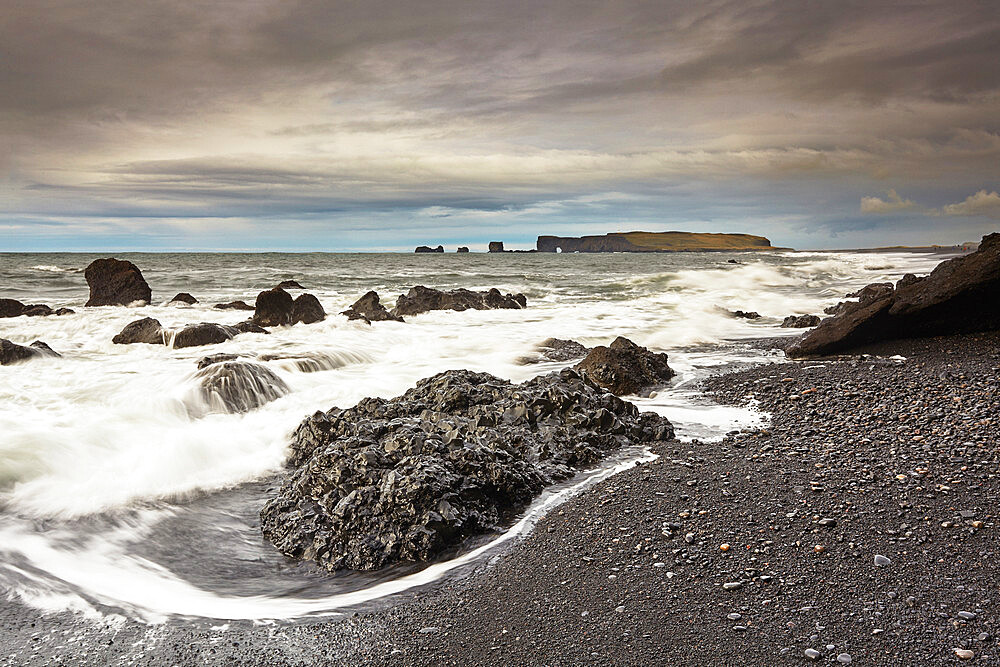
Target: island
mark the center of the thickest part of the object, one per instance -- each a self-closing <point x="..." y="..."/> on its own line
<point x="655" y="242"/>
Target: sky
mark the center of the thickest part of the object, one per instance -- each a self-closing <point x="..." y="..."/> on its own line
<point x="385" y="124"/>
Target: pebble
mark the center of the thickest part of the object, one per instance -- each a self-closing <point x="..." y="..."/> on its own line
<point x="964" y="654"/>
<point x="881" y="561"/>
<point x="732" y="585"/>
<point x="734" y="616"/>
<point x="844" y="658"/>
<point x="620" y="608"/>
<point x="812" y="654"/>
<point x="967" y="615"/>
<point x="431" y="630"/>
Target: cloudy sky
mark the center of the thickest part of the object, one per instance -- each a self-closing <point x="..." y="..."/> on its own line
<point x="382" y="124"/>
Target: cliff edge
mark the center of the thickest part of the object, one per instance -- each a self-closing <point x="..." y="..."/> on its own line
<point x="654" y="242"/>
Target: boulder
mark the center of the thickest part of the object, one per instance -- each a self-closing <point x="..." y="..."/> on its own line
<point x="11" y="308"/>
<point x="370" y="309"/>
<point x="799" y="321"/>
<point x="626" y="368"/>
<point x="424" y="249"/>
<point x="147" y="330"/>
<point x="273" y="308"/>
<point x="65" y="311"/>
<point x="559" y="349"/>
<point x="238" y="386"/>
<point x="115" y="282"/>
<point x="234" y="305"/>
<point x="203" y="333"/>
<point x="747" y="315"/>
<point x="37" y="310"/>
<point x="249" y="326"/>
<point x="959" y="296"/>
<point x="422" y="299"/>
<point x="458" y="455"/>
<point x="289" y="284"/>
<point x="12" y="353"/>
<point x="216" y="359"/>
<point x="496" y="246"/>
<point x="307" y="309"/>
<point x="184" y="297"/>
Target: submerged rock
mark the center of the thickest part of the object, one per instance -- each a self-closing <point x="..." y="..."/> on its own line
<point x="800" y="321"/>
<point x="203" y="333"/>
<point x="959" y="296"/>
<point x="115" y="282"/>
<point x="289" y="284"/>
<point x="234" y="305"/>
<point x="307" y="309"/>
<point x="459" y="454"/>
<point x="747" y="315"/>
<point x="14" y="308"/>
<point x="626" y="368"/>
<point x="370" y="309"/>
<point x="216" y="359"/>
<point x="184" y="297"/>
<point x="559" y="349"/>
<point x="12" y="353"/>
<point x="11" y="308"/>
<point x="422" y="299"/>
<point x="147" y="330"/>
<point x="238" y="386"/>
<point x="37" y="310"/>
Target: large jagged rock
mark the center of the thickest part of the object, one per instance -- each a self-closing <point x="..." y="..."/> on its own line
<point x="459" y="454"/>
<point x="422" y="299"/>
<point x="273" y="308"/>
<point x="11" y="308"/>
<point x="307" y="309"/>
<point x="959" y="296"/>
<point x="560" y="349"/>
<point x="626" y="368"/>
<point x="12" y="353"/>
<point x="115" y="282"/>
<point x="370" y="309"/>
<point x="147" y="330"/>
<point x="800" y="321"/>
<point x="238" y="386"/>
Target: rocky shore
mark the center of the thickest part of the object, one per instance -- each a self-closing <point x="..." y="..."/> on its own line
<point x="858" y="528"/>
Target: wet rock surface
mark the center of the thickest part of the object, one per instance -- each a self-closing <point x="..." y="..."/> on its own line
<point x="457" y="455"/>
<point x="747" y="315"/>
<point x="11" y="308"/>
<point x="115" y="282"/>
<point x="959" y="296"/>
<point x="289" y="284"/>
<point x="560" y="349"/>
<point x="273" y="308"/>
<point x="238" y="386"/>
<point x="307" y="310"/>
<point x="184" y="297"/>
<point x="626" y="368"/>
<point x="203" y="333"/>
<point x="14" y="308"/>
<point x="146" y="330"/>
<point x="800" y="321"/>
<point x="12" y="353"/>
<point x="422" y="299"/>
<point x="370" y="309"/>
<point x="234" y="305"/>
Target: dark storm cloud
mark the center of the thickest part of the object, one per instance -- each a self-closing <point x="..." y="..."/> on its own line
<point x="297" y="108"/>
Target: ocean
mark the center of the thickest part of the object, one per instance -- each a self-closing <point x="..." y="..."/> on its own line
<point x="123" y="493"/>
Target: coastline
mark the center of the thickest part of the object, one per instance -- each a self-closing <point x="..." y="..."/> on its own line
<point x="585" y="585"/>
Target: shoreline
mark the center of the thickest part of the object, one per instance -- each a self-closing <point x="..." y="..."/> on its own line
<point x="630" y="571"/>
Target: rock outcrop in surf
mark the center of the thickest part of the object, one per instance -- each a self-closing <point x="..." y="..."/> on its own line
<point x="12" y="353"/>
<point x="370" y="309"/>
<point x="276" y="307"/>
<point x="626" y="368"/>
<point x="116" y="282"/>
<point x="422" y="299"/>
<point x="238" y="386"/>
<point x="458" y="455"/>
<point x="959" y="296"/>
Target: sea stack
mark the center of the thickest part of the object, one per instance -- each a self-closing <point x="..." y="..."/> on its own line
<point x="115" y="282"/>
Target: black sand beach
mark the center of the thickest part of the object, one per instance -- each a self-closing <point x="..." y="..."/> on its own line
<point x="865" y="457"/>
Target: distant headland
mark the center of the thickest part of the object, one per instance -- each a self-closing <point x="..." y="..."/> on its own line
<point x="655" y="242"/>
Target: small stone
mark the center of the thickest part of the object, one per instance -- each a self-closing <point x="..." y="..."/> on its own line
<point x="584" y="613"/>
<point x="432" y="630"/>
<point x="964" y="654"/>
<point x="967" y="615"/>
<point x="829" y="523"/>
<point x="689" y="538"/>
<point x="612" y="577"/>
<point x="659" y="564"/>
<point x="844" y="658"/>
<point x="881" y="561"/>
<point x="812" y="654"/>
<point x="620" y="608"/>
<point x="732" y="585"/>
<point x="723" y="547"/>
<point x="982" y="636"/>
<point x="819" y="548"/>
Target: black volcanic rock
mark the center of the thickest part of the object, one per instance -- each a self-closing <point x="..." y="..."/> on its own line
<point x="422" y="299"/>
<point x="370" y="309"/>
<point x="458" y="455"/>
<point x="249" y="326"/>
<point x="626" y="368"/>
<point x="147" y="330"/>
<point x="959" y="296"/>
<point x="747" y="315"/>
<point x="115" y="282"/>
<point x="307" y="309"/>
<point x="560" y="349"/>
<point x="184" y="297"/>
<point x="462" y="249"/>
<point x="426" y="249"/>
<point x="11" y="308"/>
<point x="496" y="246"/>
<point x="234" y="305"/>
<point x="273" y="308"/>
<point x="289" y="284"/>
<point x="37" y="310"/>
<point x="800" y="321"/>
<point x="12" y="353"/>
<point x="203" y="333"/>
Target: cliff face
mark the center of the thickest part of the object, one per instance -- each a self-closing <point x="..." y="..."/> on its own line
<point x="654" y="242"/>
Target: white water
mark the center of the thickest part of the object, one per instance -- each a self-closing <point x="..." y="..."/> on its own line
<point x="103" y="461"/>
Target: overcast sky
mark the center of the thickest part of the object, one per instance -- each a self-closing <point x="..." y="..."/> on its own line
<point x="382" y="124"/>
